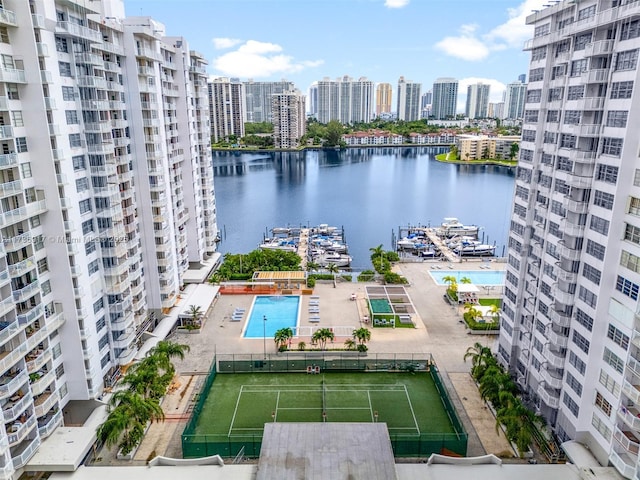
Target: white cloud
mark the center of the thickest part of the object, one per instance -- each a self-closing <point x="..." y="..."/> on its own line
<point x="255" y="59"/>
<point x="510" y="34"/>
<point x="396" y="3"/>
<point x="222" y="43"/>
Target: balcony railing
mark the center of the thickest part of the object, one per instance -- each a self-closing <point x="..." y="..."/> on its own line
<point x="555" y="359"/>
<point x="623" y="463"/>
<point x="12" y="384"/>
<point x="12" y="75"/>
<point x="631" y="391"/>
<point x="18" y="431"/>
<point x="79" y="31"/>
<point x="26" y="454"/>
<point x="44" y="403"/>
<point x="14" y="409"/>
<point x="550" y="398"/>
<point x="627" y="439"/>
<point x="46" y="428"/>
<point x="7" y="17"/>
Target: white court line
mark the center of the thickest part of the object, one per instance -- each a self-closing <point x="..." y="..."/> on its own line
<point x="277" y="403"/>
<point x="412" y="412"/>
<point x="235" y="410"/>
<point x="370" y="406"/>
<point x="328" y="408"/>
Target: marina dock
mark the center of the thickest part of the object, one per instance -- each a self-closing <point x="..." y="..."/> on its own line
<point x="303" y="247"/>
<point x="445" y="251"/>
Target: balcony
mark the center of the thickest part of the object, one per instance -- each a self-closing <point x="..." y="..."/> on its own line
<point x="8" y="160"/>
<point x="26" y="292"/>
<point x="552" y="379"/>
<point x="92" y="81"/>
<point x="590" y="130"/>
<point x="22" y="213"/>
<point x="6" y="132"/>
<point x="8" y="18"/>
<point x="126" y="356"/>
<point x="8" y="359"/>
<point x="75" y="30"/>
<point x="627" y="440"/>
<point x="90" y="58"/>
<point x="14" y="408"/>
<point x="555" y="359"/>
<point x="37" y="359"/>
<point x="17" y="431"/>
<point x="598" y="48"/>
<point x="12" y="75"/>
<point x="21" y="459"/>
<point x="631" y="391"/>
<point x="630" y="416"/>
<point x="596" y="76"/>
<point x="40" y="385"/>
<point x="18" y="269"/>
<point x="44" y="402"/>
<point x="558" y="340"/>
<point x="9" y="384"/>
<point x="572" y="230"/>
<point x="633" y="365"/>
<point x="624" y="463"/>
<point x="576" y="206"/>
<point x="8" y="330"/>
<point x="48" y="423"/>
<point x="549" y="397"/>
<point x="148" y="53"/>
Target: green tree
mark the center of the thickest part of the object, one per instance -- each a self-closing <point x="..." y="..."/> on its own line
<point x="312" y="267"/>
<point x="282" y="337"/>
<point x="466" y="280"/>
<point x="334" y="133"/>
<point x="452" y="288"/>
<point x="321" y="336"/>
<point x="350" y="344"/>
<point x="513" y="150"/>
<point x="332" y="268"/>
<point x="520" y="422"/>
<point x="362" y="335"/>
<point x="196" y="314"/>
<point x="481" y="359"/>
<point x="494" y="381"/>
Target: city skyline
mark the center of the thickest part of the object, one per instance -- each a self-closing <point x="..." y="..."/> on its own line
<point x="482" y="42"/>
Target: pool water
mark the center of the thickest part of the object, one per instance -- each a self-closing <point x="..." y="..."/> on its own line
<point x="281" y="311"/>
<point x="485" y="277"/>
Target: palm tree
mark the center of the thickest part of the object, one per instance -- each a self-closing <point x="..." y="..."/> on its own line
<point x="520" y="422"/>
<point x="481" y="358"/>
<point x="321" y="336"/>
<point x="196" y="313"/>
<point x="494" y="310"/>
<point x="472" y="313"/>
<point x="466" y="280"/>
<point x="377" y="252"/>
<point x="167" y="350"/>
<point x="312" y="267"/>
<point x="332" y="268"/>
<point x="494" y="381"/>
<point x="282" y="337"/>
<point x="350" y="344"/>
<point x="452" y="281"/>
<point x="362" y="335"/>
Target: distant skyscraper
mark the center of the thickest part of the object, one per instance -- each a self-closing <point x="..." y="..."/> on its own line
<point x="226" y="105"/>
<point x="445" y="96"/>
<point x="514" y="98"/>
<point x="345" y="100"/>
<point x="408" y="105"/>
<point x="289" y="119"/>
<point x="313" y="99"/>
<point x="495" y="110"/>
<point x="522" y="77"/>
<point x="426" y="99"/>
<point x="384" y="92"/>
<point x="477" y="101"/>
<point x="258" y="98"/>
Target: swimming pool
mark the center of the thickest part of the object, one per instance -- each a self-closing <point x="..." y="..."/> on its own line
<point x="486" y="277"/>
<point x="281" y="311"/>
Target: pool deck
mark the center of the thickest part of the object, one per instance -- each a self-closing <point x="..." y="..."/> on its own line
<point x="439" y="331"/>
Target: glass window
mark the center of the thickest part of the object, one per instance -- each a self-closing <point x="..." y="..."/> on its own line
<point x="617" y="118"/>
<point x="612" y="146"/>
<point x="65" y="69"/>
<point x="622" y="89"/>
<point x="627" y="287"/>
<point x="626" y="60"/>
<point x="603" y="199"/>
<point x="575" y="92"/>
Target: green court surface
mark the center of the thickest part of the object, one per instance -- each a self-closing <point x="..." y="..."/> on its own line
<point x="380" y="305"/>
<point x="238" y="404"/>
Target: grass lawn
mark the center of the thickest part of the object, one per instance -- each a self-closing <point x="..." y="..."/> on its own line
<point x="242" y="403"/>
<point x="490" y="301"/>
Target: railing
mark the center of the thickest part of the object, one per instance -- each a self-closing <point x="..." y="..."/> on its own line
<point x="44" y="403"/>
<point x="550" y="399"/>
<point x="26" y="292"/>
<point x="8" y="160"/>
<point x="10" y="387"/>
<point x="22" y="430"/>
<point x="28" y="452"/>
<point x="630" y="417"/>
<point x="48" y="428"/>
<point x="6" y="131"/>
<point x="40" y="385"/>
<point x="631" y="391"/>
<point x="16" y="408"/>
<point x="20" y="268"/>
<point x="79" y="31"/>
<point x="555" y="359"/>
<point x="7" y="17"/>
<point x="12" y="75"/>
<point x="12" y="357"/>
<point x="627" y="470"/>
<point x="627" y="443"/>
<point x="551" y="380"/>
<point x="7" y="332"/>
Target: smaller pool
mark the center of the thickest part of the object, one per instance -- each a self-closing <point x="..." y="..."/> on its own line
<point x="486" y="277"/>
<point x="281" y="311"/>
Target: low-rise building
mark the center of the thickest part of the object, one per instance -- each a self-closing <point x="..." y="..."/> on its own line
<point x="373" y="137"/>
<point x="477" y="147"/>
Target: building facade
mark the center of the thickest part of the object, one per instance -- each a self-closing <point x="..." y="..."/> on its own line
<point x="384" y="92"/>
<point x="258" y="99"/>
<point x="226" y="108"/>
<point x="445" y="97"/>
<point x="514" y="100"/>
<point x="313" y="100"/>
<point x="478" y="147"/>
<point x="345" y="100"/>
<point x="408" y="105"/>
<point x="477" y="101"/>
<point x="92" y="191"/>
<point x="289" y="119"/>
<point x="569" y="323"/>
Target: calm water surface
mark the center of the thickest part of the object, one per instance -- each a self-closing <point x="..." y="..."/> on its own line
<point x="368" y="191"/>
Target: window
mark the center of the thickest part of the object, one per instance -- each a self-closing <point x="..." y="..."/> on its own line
<point x="43" y="266"/>
<point x="12" y="91"/>
<point x="581" y="342"/>
<point x="618" y="337"/>
<point x="626" y="60"/>
<point x="68" y="94"/>
<point x="575" y="385"/>
<point x="72" y="117"/>
<point x="25" y="168"/>
<point x="613" y="360"/>
<point x="629" y="30"/>
<point x="571" y="404"/>
<point x="607" y="173"/>
<point x="567" y="141"/>
<point x="65" y="69"/>
<point x="622" y="89"/>
<point x="4" y="35"/>
<point x="59" y="371"/>
<point x="612" y="146"/>
<point x="16" y="118"/>
<point x="591" y="273"/>
<point x="599" y="225"/>
<point x="603" y="199"/>
<point x="531" y="116"/>
<point x="572" y="117"/>
<point x="595" y="249"/>
<point x="609" y="383"/>
<point x="82" y="184"/>
<point x="587" y="12"/>
<point x="536" y="74"/>
<point x="98" y="305"/>
<point x="583" y="319"/>
<point x="634" y="206"/>
<point x="587" y="296"/>
<point x="577" y="363"/>
<point x="75" y="140"/>
<point x="632" y="234"/>
<point x="627" y="287"/>
<point x="529" y="135"/>
<point x="578" y="67"/>
<point x="85" y="206"/>
<point x="575" y="92"/>
<point x="45" y="287"/>
<point x="555" y="94"/>
<point x="89" y="247"/>
<point x="61" y="45"/>
<point x="561" y="186"/>
<point x="553" y="116"/>
<point x="617" y="118"/>
<point x="79" y="162"/>
<point x="549" y="137"/>
<point x="534" y="96"/>
<point x="558" y="71"/>
<point x="21" y="144"/>
<point x="581" y="41"/>
<point x="539" y="53"/>
<point x="630" y="261"/>
<point x="542" y="30"/>
<point x="564" y="164"/>
<point x="601" y="427"/>
<point x="563" y="46"/>
<point x="87" y="227"/>
<point x="602" y="404"/>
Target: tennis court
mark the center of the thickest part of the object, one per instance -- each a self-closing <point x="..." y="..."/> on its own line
<point x="240" y="404"/>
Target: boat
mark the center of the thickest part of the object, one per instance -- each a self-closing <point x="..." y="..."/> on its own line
<point x="475" y="250"/>
<point x="428" y="253"/>
<point x="276" y="244"/>
<point x="333" y="258"/>
<point x="452" y="227"/>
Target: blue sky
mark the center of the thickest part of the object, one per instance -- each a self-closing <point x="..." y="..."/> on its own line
<point x="306" y="40"/>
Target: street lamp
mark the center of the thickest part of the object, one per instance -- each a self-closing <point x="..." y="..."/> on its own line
<point x="264" y="335"/>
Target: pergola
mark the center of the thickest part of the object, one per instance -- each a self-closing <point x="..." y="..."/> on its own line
<point x="295" y="279"/>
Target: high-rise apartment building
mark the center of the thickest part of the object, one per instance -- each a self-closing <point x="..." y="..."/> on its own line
<point x="226" y="108"/>
<point x="495" y="110"/>
<point x="445" y="97"/>
<point x="313" y="99"/>
<point x="258" y="98"/>
<point x="426" y="99"/>
<point x="384" y="92"/>
<point x="289" y="119"/>
<point x="570" y="327"/>
<point x="105" y="201"/>
<point x="514" y="100"/>
<point x="477" y="100"/>
<point x="408" y="105"/>
<point x="345" y="99"/>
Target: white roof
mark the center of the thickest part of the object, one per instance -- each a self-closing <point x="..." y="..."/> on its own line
<point x="467" y="288"/>
<point x="579" y="454"/>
